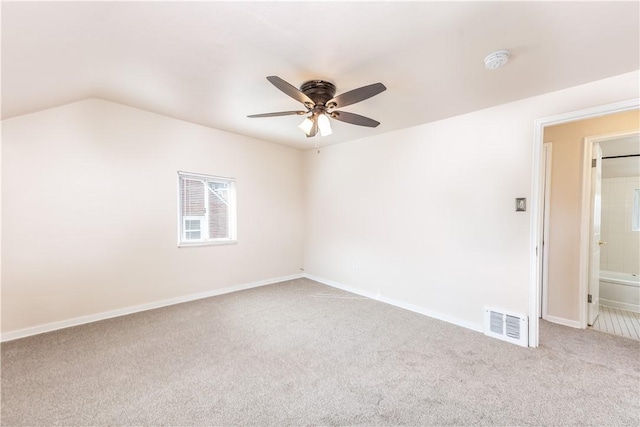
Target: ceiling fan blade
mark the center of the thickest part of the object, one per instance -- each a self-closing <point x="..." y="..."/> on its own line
<point x="356" y="95"/>
<point x="280" y="113"/>
<point x="354" y="119"/>
<point x="290" y="90"/>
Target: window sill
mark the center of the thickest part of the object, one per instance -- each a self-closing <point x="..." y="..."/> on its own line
<point x="209" y="243"/>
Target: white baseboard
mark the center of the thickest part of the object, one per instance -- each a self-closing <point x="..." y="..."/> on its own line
<point x="48" y="327"/>
<point x="563" y="321"/>
<point x="401" y="304"/>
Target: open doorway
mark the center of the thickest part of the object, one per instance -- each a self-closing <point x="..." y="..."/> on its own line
<point x="575" y="314"/>
<point x="618" y="284"/>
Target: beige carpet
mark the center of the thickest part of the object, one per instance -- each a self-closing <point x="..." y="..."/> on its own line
<point x="301" y="353"/>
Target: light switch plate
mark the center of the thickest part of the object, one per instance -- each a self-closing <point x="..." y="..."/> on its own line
<point x="521" y="204"/>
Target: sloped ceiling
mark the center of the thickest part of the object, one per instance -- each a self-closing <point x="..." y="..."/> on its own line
<point x="206" y="62"/>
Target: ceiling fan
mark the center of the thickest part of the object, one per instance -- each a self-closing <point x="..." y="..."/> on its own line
<point x="320" y="103"/>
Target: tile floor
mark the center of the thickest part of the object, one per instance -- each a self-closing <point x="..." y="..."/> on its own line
<point x="618" y="322"/>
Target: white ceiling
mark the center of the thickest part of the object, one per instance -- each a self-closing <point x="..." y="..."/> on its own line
<point x="206" y="62"/>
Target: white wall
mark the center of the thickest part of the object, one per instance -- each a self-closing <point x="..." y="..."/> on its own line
<point x="622" y="251"/>
<point x="89" y="211"/>
<point x="423" y="216"/>
<point x="426" y="216"/>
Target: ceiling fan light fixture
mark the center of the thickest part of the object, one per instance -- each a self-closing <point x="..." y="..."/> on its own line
<point x="306" y="125"/>
<point x="324" y="125"/>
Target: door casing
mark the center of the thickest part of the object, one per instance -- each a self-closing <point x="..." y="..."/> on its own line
<point x="546" y="167"/>
<point x="537" y="206"/>
<point x="593" y="150"/>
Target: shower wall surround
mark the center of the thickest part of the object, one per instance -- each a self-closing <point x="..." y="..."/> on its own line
<point x="622" y="251"/>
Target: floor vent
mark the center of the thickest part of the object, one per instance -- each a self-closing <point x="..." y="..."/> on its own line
<point x="509" y="327"/>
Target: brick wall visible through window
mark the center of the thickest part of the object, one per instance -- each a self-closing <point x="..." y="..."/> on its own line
<point x="206" y="209"/>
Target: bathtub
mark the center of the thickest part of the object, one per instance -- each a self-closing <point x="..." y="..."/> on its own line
<point x="620" y="290"/>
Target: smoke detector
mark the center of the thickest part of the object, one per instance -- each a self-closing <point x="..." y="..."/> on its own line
<point x="496" y="59"/>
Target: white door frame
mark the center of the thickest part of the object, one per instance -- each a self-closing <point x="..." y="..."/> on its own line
<point x="588" y="248"/>
<point x="546" y="171"/>
<point x="537" y="211"/>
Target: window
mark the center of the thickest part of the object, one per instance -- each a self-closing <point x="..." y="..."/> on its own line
<point x="192" y="227"/>
<point x="207" y="212"/>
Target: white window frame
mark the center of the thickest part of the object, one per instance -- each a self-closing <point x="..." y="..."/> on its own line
<point x="204" y="220"/>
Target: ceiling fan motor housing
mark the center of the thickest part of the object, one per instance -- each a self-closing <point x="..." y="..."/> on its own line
<point x="319" y="91"/>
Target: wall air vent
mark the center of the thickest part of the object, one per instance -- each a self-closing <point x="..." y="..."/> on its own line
<point x="510" y="327"/>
